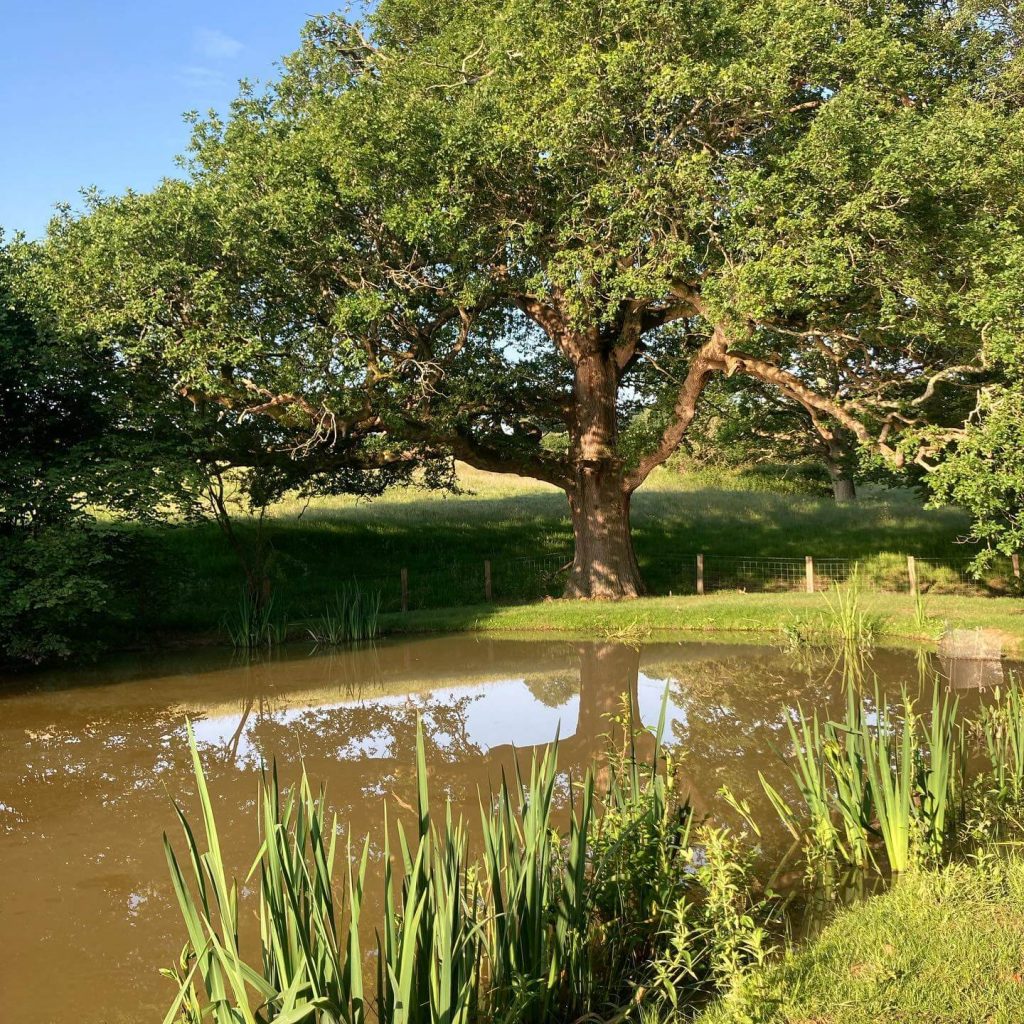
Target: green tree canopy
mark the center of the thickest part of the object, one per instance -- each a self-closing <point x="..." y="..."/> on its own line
<point x="460" y="227"/>
<point x="982" y="469"/>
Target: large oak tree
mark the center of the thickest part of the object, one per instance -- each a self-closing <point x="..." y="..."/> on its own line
<point x="466" y="229"/>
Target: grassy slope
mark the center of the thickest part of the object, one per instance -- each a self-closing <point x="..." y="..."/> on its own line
<point x="939" y="947"/>
<point x="503" y="518"/>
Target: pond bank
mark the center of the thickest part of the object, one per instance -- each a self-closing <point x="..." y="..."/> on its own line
<point x="729" y="617"/>
<point x="940" y="945"/>
<point x="760" y="615"/>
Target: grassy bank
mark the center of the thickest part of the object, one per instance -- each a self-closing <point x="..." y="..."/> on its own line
<point x="939" y="946"/>
<point x="522" y="527"/>
<point x="765" y="615"/>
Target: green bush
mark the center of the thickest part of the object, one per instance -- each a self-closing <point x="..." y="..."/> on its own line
<point x="68" y="591"/>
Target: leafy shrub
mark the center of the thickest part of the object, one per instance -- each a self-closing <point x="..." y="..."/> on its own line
<point x="67" y="591"/>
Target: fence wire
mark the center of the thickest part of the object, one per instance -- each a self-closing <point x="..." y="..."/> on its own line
<point x="885" y="573"/>
<point x="521" y="580"/>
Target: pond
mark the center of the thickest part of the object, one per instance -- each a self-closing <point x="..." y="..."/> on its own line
<point x="90" y="759"/>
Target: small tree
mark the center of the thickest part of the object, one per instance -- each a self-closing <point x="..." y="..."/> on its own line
<point x="464" y="227"/>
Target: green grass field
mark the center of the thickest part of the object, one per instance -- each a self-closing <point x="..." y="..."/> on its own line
<point x="944" y="946"/>
<point x="747" y="616"/>
<point x="522" y="527"/>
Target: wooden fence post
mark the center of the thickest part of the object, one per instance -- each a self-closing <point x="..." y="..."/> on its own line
<point x="700" y="574"/>
<point x="487" y="579"/>
<point x="809" y="573"/>
<point x="912" y="573"/>
<point x="405" y="589"/>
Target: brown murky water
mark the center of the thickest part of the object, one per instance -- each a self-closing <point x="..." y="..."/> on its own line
<point x="88" y="760"/>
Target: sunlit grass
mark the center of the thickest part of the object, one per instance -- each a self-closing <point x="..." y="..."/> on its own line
<point x="940" y="946"/>
<point x="761" y="617"/>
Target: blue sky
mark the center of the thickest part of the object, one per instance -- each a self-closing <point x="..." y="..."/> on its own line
<point x="92" y="92"/>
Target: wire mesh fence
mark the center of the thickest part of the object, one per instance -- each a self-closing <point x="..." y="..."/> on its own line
<point x="768" y="575"/>
<point x="890" y="573"/>
<point x="526" y="579"/>
<point x="507" y="581"/>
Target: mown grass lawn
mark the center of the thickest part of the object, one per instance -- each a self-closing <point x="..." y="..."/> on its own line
<point x="761" y="616"/>
<point x="944" y="947"/>
<point x="443" y="540"/>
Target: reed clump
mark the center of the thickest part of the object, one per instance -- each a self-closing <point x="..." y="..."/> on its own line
<point x="352" y="616"/>
<point x="846" y="630"/>
<point x="254" y="625"/>
<point x="890" y="787"/>
<point x="569" y="911"/>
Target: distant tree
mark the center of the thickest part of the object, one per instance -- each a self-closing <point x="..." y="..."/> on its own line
<point x="743" y="425"/>
<point x="464" y="228"/>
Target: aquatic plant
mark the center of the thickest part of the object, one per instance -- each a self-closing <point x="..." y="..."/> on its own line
<point x="631" y="634"/>
<point x="923" y="622"/>
<point x="890" y="778"/>
<point x="1001" y="724"/>
<point x="809" y="769"/>
<point x="846" y="618"/>
<point x="553" y="923"/>
<point x="848" y="629"/>
<point x="352" y="616"/>
<point x="845" y="631"/>
<point x="890" y="759"/>
<point x="938" y="775"/>
<point x="845" y="755"/>
<point x="253" y="624"/>
<point x="733" y="933"/>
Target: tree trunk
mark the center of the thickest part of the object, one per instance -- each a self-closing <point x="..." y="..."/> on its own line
<point x="605" y="564"/>
<point x="840" y="461"/>
<point x="843" y="487"/>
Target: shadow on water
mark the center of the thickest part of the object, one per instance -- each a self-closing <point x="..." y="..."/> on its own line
<point x="88" y="760"/>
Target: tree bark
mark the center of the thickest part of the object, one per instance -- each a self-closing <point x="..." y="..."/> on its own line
<point x="843" y="488"/>
<point x="838" y="462"/>
<point x="605" y="564"/>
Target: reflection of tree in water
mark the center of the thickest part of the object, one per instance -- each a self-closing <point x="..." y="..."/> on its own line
<point x="371" y="730"/>
<point x="553" y="689"/>
<point x="731" y="723"/>
<point x="370" y="747"/>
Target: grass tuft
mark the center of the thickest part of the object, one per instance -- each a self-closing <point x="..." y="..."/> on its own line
<point x="353" y="616"/>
